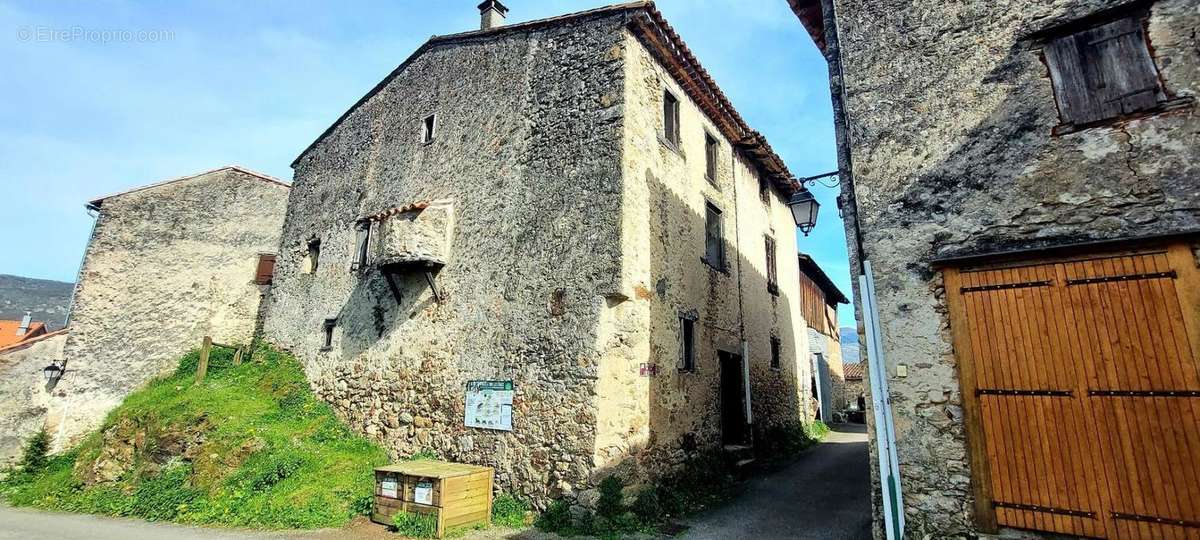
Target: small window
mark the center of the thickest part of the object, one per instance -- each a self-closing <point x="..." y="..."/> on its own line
<point x="1103" y="73"/>
<point x="764" y="191"/>
<point x="265" y="272"/>
<point x="714" y="244"/>
<point x="428" y="129"/>
<point x="687" y="344"/>
<point x="313" y="258"/>
<point x="710" y="158"/>
<point x="776" y="346"/>
<point x="670" y="118"/>
<point x="362" y="241"/>
<point x="327" y="339"/>
<point x="772" y="276"/>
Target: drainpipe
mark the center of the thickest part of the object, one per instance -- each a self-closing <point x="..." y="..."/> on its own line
<point x="93" y="211"/>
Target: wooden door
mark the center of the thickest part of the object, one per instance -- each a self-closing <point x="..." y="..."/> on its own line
<point x="1082" y="391"/>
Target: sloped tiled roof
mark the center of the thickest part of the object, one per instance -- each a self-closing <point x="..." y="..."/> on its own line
<point x="30" y="341"/>
<point x="380" y="216"/>
<point x="95" y="203"/>
<point x="854" y="372"/>
<point x="8" y="332"/>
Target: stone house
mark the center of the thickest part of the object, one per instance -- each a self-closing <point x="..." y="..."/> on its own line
<point x="819" y="299"/>
<point x="567" y="209"/>
<point x="1024" y="179"/>
<point x="166" y="265"/>
<point x="854" y="391"/>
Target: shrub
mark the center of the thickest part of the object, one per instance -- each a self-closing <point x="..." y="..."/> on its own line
<point x="611" y="502"/>
<point x="508" y="511"/>
<point x="33" y="457"/>
<point x="647" y="505"/>
<point x="557" y="517"/>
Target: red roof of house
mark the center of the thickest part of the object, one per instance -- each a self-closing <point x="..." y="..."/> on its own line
<point x="8" y="332"/>
<point x="854" y="372"/>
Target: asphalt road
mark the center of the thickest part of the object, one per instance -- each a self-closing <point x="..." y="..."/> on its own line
<point x="824" y="494"/>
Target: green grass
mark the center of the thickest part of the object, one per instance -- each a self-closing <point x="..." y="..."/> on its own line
<point x="508" y="511"/>
<point x="264" y="453"/>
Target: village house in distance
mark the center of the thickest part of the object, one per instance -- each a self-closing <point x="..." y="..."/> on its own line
<point x="166" y="265"/>
<point x="553" y="248"/>
<point x="819" y="300"/>
<point x="1024" y="179"/>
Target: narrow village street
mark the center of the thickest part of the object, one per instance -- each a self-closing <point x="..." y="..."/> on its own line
<point x="824" y="494"/>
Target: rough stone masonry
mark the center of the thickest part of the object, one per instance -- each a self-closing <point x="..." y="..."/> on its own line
<point x="507" y="206"/>
<point x="167" y="264"/>
<point x="954" y="144"/>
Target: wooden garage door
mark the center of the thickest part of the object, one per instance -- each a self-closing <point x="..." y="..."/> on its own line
<point x="1082" y="389"/>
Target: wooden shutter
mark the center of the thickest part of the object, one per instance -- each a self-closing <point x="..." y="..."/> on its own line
<point x="713" y="247"/>
<point x="361" y="240"/>
<point x="710" y="158"/>
<point x="670" y="117"/>
<point x="1103" y="72"/>
<point x="772" y="271"/>
<point x="266" y="269"/>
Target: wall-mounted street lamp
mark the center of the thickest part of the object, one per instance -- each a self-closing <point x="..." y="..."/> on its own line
<point x="804" y="209"/>
<point x="53" y="373"/>
<point x="804" y="206"/>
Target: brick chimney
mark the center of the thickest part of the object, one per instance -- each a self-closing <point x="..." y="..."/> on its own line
<point x="25" y="322"/>
<point x="491" y="14"/>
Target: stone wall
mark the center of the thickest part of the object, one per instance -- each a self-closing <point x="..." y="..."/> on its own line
<point x="166" y="266"/>
<point x="526" y="157"/>
<point x="24" y="397"/>
<point x="574" y="243"/>
<point x="650" y="424"/>
<point x="951" y="114"/>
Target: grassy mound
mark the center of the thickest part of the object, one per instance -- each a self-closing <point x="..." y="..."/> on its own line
<point x="251" y="446"/>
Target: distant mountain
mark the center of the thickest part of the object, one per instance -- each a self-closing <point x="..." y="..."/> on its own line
<point x="48" y="300"/>
<point x="849" y="345"/>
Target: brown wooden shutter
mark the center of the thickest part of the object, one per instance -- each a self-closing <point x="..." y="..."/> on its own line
<point x="1103" y="72"/>
<point x="266" y="269"/>
<point x="772" y="275"/>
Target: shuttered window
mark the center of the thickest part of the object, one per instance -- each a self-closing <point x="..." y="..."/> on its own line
<point x="776" y="347"/>
<point x="687" y="344"/>
<point x="266" y="269"/>
<point x="671" y="118"/>
<point x="714" y="245"/>
<point x="710" y="158"/>
<point x="362" y="239"/>
<point x="772" y="270"/>
<point x="1103" y="73"/>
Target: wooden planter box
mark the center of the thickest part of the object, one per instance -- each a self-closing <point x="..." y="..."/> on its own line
<point x="457" y="495"/>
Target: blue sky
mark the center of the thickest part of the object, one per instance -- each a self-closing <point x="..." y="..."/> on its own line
<point x="187" y="86"/>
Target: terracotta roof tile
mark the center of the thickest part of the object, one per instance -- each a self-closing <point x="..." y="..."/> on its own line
<point x="380" y="216"/>
<point x="8" y="332"/>
<point x="854" y="372"/>
<point x="31" y="340"/>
